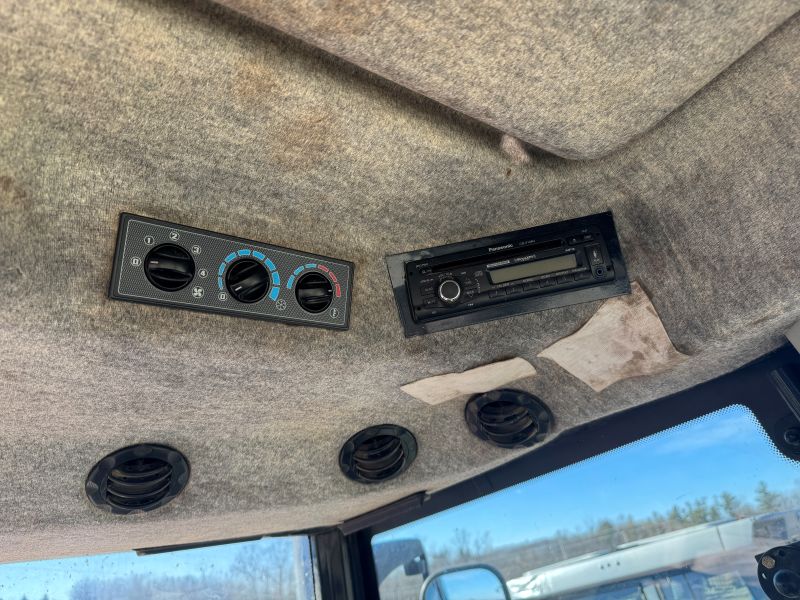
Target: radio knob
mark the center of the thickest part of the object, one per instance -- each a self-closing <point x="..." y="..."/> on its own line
<point x="449" y="291"/>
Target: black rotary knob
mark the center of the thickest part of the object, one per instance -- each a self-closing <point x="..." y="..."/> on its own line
<point x="247" y="280"/>
<point x="787" y="583"/>
<point x="314" y="292"/>
<point x="169" y="267"/>
<point x="449" y="291"/>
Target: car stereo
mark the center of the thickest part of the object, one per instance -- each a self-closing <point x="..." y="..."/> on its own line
<point x="523" y="271"/>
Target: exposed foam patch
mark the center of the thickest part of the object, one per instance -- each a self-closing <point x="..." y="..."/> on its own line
<point x="624" y="338"/>
<point x="441" y="388"/>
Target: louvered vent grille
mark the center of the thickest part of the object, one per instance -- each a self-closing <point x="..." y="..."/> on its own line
<point x="508" y="418"/>
<point x="137" y="479"/>
<point x="138" y="483"/>
<point x="378" y="453"/>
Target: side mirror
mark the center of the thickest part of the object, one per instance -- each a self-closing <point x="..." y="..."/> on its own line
<point x="390" y="555"/>
<point x="418" y="566"/>
<point x="474" y="582"/>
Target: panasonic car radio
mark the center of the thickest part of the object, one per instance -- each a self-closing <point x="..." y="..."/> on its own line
<point x="508" y="274"/>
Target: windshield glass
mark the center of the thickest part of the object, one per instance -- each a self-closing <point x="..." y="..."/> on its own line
<point x="271" y="568"/>
<point x="676" y="516"/>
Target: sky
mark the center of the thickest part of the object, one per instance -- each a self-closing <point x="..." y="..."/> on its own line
<point x="725" y="451"/>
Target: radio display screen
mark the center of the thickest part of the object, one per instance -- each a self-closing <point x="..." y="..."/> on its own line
<point x="531" y="269"/>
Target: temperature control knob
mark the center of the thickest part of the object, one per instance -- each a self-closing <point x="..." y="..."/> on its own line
<point x="314" y="292"/>
<point x="248" y="280"/>
<point x="449" y="291"/>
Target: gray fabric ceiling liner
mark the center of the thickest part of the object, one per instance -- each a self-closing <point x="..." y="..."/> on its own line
<point x="191" y="113"/>
<point x="577" y="78"/>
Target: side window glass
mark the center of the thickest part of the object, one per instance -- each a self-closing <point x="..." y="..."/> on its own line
<point x="679" y="515"/>
<point x="267" y="568"/>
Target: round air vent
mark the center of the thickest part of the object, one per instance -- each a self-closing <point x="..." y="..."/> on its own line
<point x="377" y="454"/>
<point x="314" y="292"/>
<point x="508" y="418"/>
<point x="169" y="267"/>
<point x="137" y="479"/>
<point x="248" y="280"/>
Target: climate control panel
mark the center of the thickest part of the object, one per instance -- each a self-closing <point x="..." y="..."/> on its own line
<point x="157" y="262"/>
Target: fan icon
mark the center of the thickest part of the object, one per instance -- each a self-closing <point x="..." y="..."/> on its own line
<point x="197" y="291"/>
<point x="281" y="304"/>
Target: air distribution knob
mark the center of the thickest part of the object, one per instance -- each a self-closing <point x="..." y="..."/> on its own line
<point x="314" y="292"/>
<point x="169" y="267"/>
<point x="247" y="280"/>
<point x="449" y="291"/>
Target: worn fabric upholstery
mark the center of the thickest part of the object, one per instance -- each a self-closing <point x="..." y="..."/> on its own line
<point x="578" y="78"/>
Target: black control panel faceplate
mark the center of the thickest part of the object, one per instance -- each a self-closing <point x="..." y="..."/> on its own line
<point x="222" y="267"/>
<point x="508" y="274"/>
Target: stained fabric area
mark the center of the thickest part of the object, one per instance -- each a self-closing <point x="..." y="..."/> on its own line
<point x="623" y="339"/>
<point x="190" y="113"/>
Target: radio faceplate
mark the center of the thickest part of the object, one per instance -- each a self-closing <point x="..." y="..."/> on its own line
<point x="508" y="274"/>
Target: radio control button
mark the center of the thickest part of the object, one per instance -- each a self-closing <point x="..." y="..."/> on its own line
<point x="548" y="282"/>
<point x="428" y="290"/>
<point x="496" y="293"/>
<point x="565" y="278"/>
<point x="595" y="255"/>
<point x="514" y="289"/>
<point x="579" y="239"/>
<point x="429" y="302"/>
<point x="582" y="275"/>
<point x="533" y="285"/>
<point x="449" y="291"/>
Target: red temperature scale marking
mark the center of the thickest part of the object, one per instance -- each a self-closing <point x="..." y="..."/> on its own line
<point x="324" y="269"/>
<point x="330" y="274"/>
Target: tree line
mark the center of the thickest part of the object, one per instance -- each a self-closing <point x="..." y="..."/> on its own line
<point x="606" y="534"/>
<point x="260" y="570"/>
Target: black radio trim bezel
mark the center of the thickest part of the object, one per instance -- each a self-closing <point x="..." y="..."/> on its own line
<point x="618" y="286"/>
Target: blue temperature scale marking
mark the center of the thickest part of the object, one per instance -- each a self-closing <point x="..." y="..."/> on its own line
<point x="297" y="271"/>
<point x="276" y="278"/>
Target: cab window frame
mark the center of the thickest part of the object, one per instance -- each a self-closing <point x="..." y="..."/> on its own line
<point x="752" y="386"/>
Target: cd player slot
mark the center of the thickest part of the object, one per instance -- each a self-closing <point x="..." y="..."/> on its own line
<point x="537" y="247"/>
